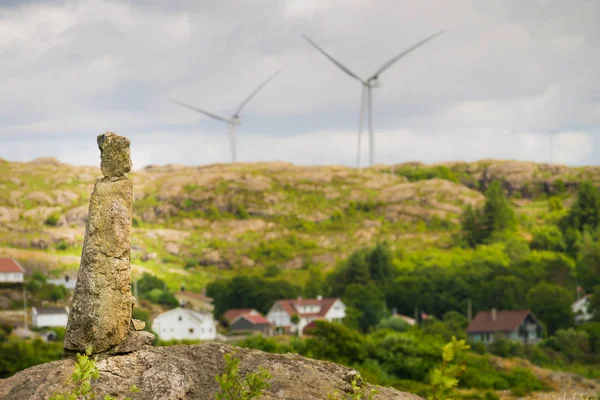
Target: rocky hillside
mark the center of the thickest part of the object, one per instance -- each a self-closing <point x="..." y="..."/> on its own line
<point x="188" y="372"/>
<point x="209" y="220"/>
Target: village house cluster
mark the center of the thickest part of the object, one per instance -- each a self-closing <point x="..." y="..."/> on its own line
<point x="193" y="319"/>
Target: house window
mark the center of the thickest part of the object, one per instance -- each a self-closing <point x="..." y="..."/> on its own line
<point x="191" y="330"/>
<point x="180" y="318"/>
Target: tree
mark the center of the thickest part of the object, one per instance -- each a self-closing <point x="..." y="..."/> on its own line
<point x="470" y="226"/>
<point x="504" y="292"/>
<point x="573" y="344"/>
<point x="498" y="215"/>
<point x="495" y="218"/>
<point x="335" y="342"/>
<point x="588" y="266"/>
<point x="368" y="299"/>
<point x="586" y="209"/>
<point x="148" y="282"/>
<point x="548" y="237"/>
<point x="551" y="304"/>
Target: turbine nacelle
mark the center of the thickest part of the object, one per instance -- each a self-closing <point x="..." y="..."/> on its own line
<point x="235" y="120"/>
<point x="374" y="82"/>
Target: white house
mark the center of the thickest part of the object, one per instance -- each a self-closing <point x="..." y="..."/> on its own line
<point x="67" y="282"/>
<point x="182" y="323"/>
<point x="308" y="310"/>
<point x="581" y="309"/>
<point x="11" y="271"/>
<point x="50" y="317"/>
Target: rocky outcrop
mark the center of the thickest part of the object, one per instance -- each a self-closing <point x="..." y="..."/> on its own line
<point x="100" y="317"/>
<point x="188" y="372"/>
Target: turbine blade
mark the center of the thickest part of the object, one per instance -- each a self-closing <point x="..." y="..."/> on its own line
<point x="257" y="90"/>
<point x="199" y="110"/>
<point x="340" y="65"/>
<point x="405" y="52"/>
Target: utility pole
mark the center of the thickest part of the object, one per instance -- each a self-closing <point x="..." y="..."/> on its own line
<point x="24" y="307"/>
<point x="135" y="291"/>
<point x="469" y="311"/>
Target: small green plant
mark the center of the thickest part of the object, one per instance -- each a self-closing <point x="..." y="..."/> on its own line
<point x="84" y="374"/>
<point x="445" y="378"/>
<point x="234" y="387"/>
<point x="53" y="219"/>
<point x="358" y="392"/>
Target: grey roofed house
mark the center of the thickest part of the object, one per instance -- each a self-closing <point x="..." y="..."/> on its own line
<point x="251" y="322"/>
<point x="519" y="325"/>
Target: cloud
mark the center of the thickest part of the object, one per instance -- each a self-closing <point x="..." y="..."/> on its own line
<point x="73" y="69"/>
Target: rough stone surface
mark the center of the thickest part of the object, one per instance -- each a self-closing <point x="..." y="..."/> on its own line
<point x="115" y="155"/>
<point x="102" y="301"/>
<point x="100" y="316"/>
<point x="188" y="372"/>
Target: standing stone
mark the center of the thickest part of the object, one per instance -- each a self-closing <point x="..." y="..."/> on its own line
<point x="100" y="317"/>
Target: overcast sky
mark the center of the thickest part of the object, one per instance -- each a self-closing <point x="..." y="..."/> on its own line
<point x="509" y="79"/>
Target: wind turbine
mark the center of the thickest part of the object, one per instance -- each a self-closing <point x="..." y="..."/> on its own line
<point x="235" y="118"/>
<point x="366" y="100"/>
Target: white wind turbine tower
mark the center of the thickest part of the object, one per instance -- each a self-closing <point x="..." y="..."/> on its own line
<point x="366" y="100"/>
<point x="235" y="118"/>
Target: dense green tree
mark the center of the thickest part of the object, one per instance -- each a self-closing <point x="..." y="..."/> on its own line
<point x="505" y="292"/>
<point x="159" y="296"/>
<point x="573" y="344"/>
<point x="335" y="342"/>
<point x="585" y="212"/>
<point x="471" y="227"/>
<point x="517" y="250"/>
<point x="362" y="267"/>
<point x="495" y="219"/>
<point x="316" y="284"/>
<point x="498" y="215"/>
<point x="552" y="305"/>
<point x="369" y="300"/>
<point x="588" y="265"/>
<point x="149" y="282"/>
<point x="593" y="331"/>
<point x="548" y="237"/>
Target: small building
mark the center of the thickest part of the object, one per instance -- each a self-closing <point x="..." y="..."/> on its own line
<point x="581" y="309"/>
<point x="195" y="301"/>
<point x="233" y="313"/>
<point x="50" y="317"/>
<point x="251" y="323"/>
<point x="519" y="325"/>
<point x="67" y="282"/>
<point x="185" y="324"/>
<point x="11" y="271"/>
<point x="307" y="310"/>
<point x="410" y="321"/>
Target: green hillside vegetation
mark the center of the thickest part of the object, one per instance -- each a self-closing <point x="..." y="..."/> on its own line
<point x="500" y="234"/>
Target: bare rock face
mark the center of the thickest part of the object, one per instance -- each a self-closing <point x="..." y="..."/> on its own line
<point x="100" y="317"/>
<point x="188" y="372"/>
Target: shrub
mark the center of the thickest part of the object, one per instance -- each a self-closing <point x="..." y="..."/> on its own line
<point x="234" y="387"/>
<point x="53" y="219"/>
<point x="445" y="378"/>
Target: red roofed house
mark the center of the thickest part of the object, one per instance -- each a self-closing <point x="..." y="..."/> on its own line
<point x="308" y="310"/>
<point x="519" y="325"/>
<point x="231" y="314"/>
<point x="252" y="321"/>
<point x="11" y="271"/>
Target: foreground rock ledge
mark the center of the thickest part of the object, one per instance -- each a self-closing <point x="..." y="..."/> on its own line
<point x="188" y="372"/>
